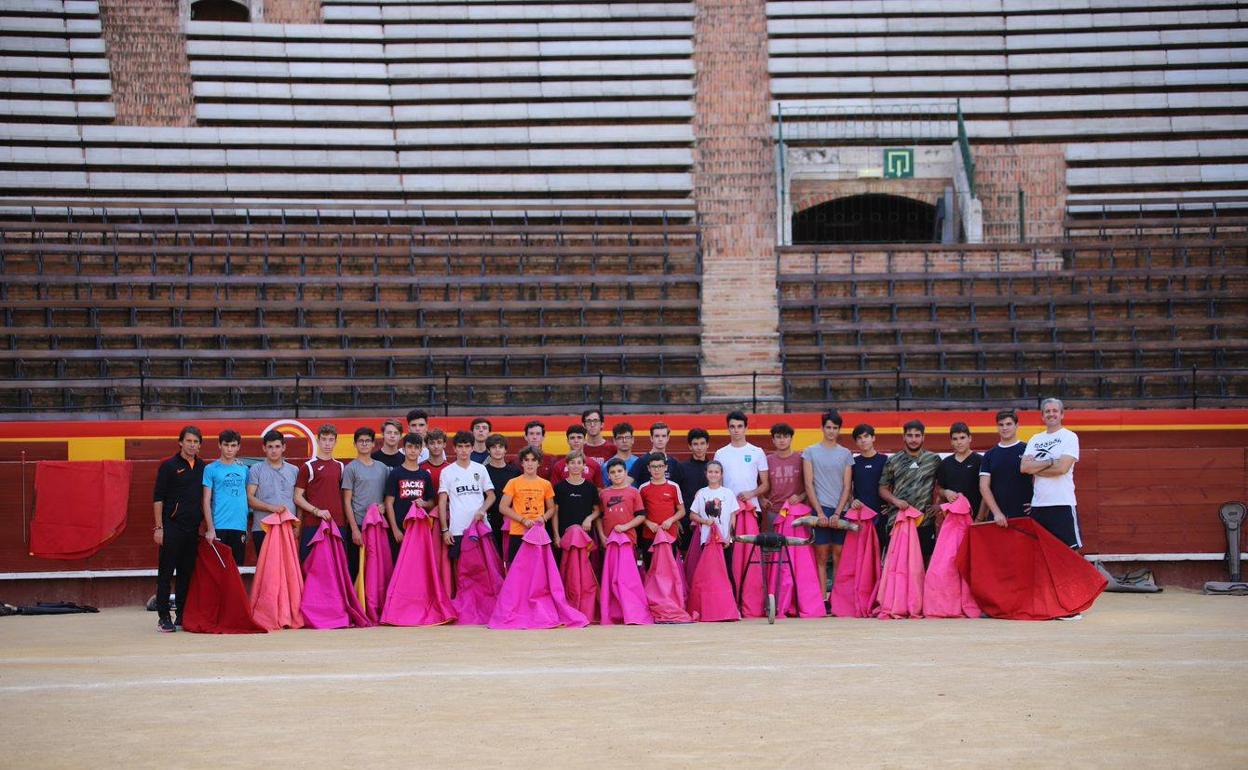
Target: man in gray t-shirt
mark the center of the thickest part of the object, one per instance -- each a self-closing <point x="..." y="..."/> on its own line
<point x="367" y="484"/>
<point x="827" y="467"/>
<point x="270" y="485"/>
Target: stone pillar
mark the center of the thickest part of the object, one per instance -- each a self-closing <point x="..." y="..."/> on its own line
<point x="292" y="11"/>
<point x="147" y="60"/>
<point x="734" y="190"/>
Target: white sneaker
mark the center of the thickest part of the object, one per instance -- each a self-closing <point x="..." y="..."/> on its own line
<point x="1076" y="616"/>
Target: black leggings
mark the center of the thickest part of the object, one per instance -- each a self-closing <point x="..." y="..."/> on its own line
<point x="177" y="555"/>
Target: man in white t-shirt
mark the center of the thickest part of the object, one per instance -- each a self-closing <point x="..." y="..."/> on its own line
<point x="745" y="465"/>
<point x="1050" y="458"/>
<point x="465" y="494"/>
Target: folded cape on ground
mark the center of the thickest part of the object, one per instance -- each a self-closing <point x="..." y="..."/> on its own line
<point x="417" y="595"/>
<point x="329" y="599"/>
<point x="1022" y="572"/>
<point x="532" y="595"/>
<point x="376" y="564"/>
<point x="798" y="593"/>
<point x="858" y="571"/>
<point x="579" y="582"/>
<point x="80" y="507"/>
<point x="664" y="584"/>
<point x="710" y="592"/>
<point x="277" y="588"/>
<point x="479" y="576"/>
<point x="945" y="593"/>
<point x="622" y="597"/>
<point x="217" y="602"/>
<point x="900" y="590"/>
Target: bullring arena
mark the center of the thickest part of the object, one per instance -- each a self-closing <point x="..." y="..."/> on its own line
<point x="272" y="215"/>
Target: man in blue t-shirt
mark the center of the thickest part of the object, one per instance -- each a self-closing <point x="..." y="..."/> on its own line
<point x="1006" y="490"/>
<point x="225" y="497"/>
<point x="868" y="467"/>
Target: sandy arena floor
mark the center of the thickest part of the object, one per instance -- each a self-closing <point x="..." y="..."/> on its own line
<point x="1141" y="681"/>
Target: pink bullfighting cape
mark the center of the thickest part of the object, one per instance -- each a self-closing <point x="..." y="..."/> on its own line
<point x="376" y="564"/>
<point x="479" y="576"/>
<point x="900" y="591"/>
<point x="329" y="600"/>
<point x="710" y="592"/>
<point x="858" y="571"/>
<point x="803" y="598"/>
<point x="418" y="595"/>
<point x="747" y="577"/>
<point x="532" y="595"/>
<point x="277" y="588"/>
<point x="217" y="602"/>
<point x="665" y="583"/>
<point x="622" y="597"/>
<point x="579" y="582"/>
<point x="945" y="593"/>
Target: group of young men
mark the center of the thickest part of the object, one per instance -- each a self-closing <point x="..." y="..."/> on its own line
<point x="601" y="486"/>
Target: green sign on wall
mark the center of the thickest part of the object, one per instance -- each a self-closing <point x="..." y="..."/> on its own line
<point x="898" y="163"/>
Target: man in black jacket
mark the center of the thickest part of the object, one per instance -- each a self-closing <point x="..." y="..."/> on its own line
<point x="178" y="505"/>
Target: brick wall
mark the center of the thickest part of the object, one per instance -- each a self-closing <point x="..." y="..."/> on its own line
<point x="147" y="58"/>
<point x="1039" y="170"/>
<point x="292" y="11"/>
<point x="734" y="189"/>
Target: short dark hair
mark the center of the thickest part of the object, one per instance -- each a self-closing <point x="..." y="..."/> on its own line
<point x="190" y="430"/>
<point x="613" y="463"/>
<point x="417" y="414"/>
<point x="413" y="439"/>
<point x="435" y="434"/>
<point x="592" y="410"/>
<point x="478" y="421"/>
<point x="462" y="437"/>
<point x="697" y="433"/>
<point x="527" y="452"/>
<point x="659" y="426"/>
<point x="914" y="425"/>
<point x="620" y="428"/>
<point x="959" y="427"/>
<point x="229" y="436"/>
<point x="654" y="457"/>
<point x="327" y="429"/>
<point x="575" y="430"/>
<point x="782" y="429"/>
<point x="863" y="429"/>
<point x="362" y="432"/>
<point x="496" y="439"/>
<point x="273" y="435"/>
<point x="1007" y="414"/>
<point x="831" y="416"/>
<point x="737" y="414"/>
<point x="535" y="424"/>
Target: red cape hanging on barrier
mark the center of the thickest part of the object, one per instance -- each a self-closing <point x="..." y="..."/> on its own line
<point x="479" y="573"/>
<point x="217" y="602"/>
<point x="417" y="596"/>
<point x="748" y="578"/>
<point x="665" y="585"/>
<point x="376" y="564"/>
<point x="858" y="571"/>
<point x="80" y="507"/>
<point x="710" y="593"/>
<point x="277" y="588"/>
<point x="622" y="597"/>
<point x="579" y="582"/>
<point x="803" y="598"/>
<point x="532" y="595"/>
<point x="945" y="593"/>
<point x="1022" y="572"/>
<point x="329" y="599"/>
<point x="900" y="590"/>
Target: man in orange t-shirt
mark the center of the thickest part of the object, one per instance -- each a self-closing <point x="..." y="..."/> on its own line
<point x="528" y="500"/>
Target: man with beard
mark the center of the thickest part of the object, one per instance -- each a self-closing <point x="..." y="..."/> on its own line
<point x="909" y="481"/>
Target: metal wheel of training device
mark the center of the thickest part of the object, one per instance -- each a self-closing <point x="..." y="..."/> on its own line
<point x="771" y="608"/>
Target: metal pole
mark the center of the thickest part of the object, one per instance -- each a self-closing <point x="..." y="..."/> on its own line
<point x="600" y="396"/>
<point x="446" y="394"/>
<point x="1193" y="387"/>
<point x="1022" y="221"/>
<point x="897" y="390"/>
<point x="142" y="397"/>
<point x="754" y="392"/>
<point x="1038" y="397"/>
<point x="296" y="395"/>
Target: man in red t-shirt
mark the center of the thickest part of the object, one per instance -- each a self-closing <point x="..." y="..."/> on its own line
<point x="622" y="509"/>
<point x="785" y="473"/>
<point x="435" y="442"/>
<point x="576" y="442"/>
<point x="318" y="492"/>
<point x="535" y="436"/>
<point x="596" y="445"/>
<point x="663" y="502"/>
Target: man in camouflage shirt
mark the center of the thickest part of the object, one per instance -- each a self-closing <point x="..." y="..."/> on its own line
<point x="909" y="481"/>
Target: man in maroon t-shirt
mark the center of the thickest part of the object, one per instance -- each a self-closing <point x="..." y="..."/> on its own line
<point x="318" y="491"/>
<point x="534" y="436"/>
<point x="596" y="445"/>
<point x="576" y="443"/>
<point x="784" y="470"/>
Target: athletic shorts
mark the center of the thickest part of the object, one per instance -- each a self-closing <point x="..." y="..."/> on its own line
<point x="828" y="535"/>
<point x="1060" y="520"/>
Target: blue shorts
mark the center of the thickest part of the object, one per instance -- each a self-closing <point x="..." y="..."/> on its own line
<point x="828" y="535"/>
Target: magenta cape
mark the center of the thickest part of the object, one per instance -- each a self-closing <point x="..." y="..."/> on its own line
<point x="622" y="597"/>
<point x="417" y="595"/>
<point x="217" y="602"/>
<point x="532" y="595"/>
<point x="945" y="593"/>
<point x="858" y="571"/>
<point x="803" y="599"/>
<point x="376" y="564"/>
<point x="665" y="585"/>
<point x="1022" y="572"/>
<point x="710" y="593"/>
<point x="692" y="554"/>
<point x="900" y="591"/>
<point x="277" y="588"/>
<point x="328" y="598"/>
<point x="479" y="576"/>
<point x="749" y="581"/>
<point x="579" y="581"/>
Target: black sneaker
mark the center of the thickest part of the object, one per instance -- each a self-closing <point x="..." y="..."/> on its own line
<point x="165" y="625"/>
<point x="178" y="623"/>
